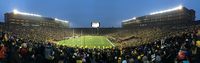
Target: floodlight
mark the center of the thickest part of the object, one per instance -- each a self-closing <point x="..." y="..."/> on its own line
<point x="15" y="11"/>
<point x="56" y="19"/>
<point x="164" y="11"/>
<point x="134" y="18"/>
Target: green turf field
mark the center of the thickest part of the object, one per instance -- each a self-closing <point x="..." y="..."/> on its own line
<point x="87" y="42"/>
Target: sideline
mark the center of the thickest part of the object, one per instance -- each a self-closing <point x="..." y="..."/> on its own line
<point x="110" y="42"/>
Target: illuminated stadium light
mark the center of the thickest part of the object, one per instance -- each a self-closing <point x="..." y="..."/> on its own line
<point x="56" y="19"/>
<point x="15" y="11"/>
<point x="129" y="19"/>
<point x="173" y="9"/>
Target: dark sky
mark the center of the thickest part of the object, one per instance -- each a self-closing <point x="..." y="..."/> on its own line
<point x="80" y="13"/>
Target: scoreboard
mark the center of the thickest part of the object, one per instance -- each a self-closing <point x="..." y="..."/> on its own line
<point x="95" y="24"/>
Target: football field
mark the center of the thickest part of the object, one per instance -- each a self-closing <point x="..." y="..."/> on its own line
<point x="87" y="42"/>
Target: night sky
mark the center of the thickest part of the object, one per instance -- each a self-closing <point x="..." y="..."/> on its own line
<point x="80" y="13"/>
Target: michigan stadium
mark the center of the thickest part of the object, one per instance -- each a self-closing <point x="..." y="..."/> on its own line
<point x="171" y="35"/>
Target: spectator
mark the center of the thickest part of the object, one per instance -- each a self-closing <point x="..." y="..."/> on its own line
<point x="145" y="59"/>
<point x="23" y="52"/>
<point x="2" y="53"/>
<point x="49" y="53"/>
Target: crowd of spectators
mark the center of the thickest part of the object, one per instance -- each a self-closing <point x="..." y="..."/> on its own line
<point x="167" y="50"/>
<point x="150" y="45"/>
<point x="41" y="33"/>
<point x="139" y="36"/>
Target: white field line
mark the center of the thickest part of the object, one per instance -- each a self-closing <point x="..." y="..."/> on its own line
<point x="110" y="42"/>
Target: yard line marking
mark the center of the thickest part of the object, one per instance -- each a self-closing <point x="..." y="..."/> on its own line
<point x="110" y="42"/>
